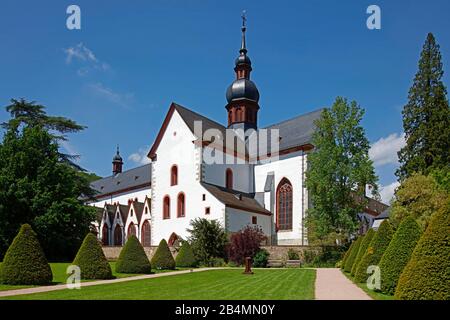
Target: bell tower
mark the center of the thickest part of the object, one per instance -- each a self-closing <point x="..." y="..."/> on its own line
<point x="242" y="95"/>
<point x="117" y="163"/>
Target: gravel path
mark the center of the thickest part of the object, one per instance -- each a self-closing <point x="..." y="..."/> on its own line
<point x="331" y="284"/>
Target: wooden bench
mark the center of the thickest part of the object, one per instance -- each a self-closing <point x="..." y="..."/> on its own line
<point x="275" y="263"/>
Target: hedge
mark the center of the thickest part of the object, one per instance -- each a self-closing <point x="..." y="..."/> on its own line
<point x="24" y="262"/>
<point x="185" y="257"/>
<point x="398" y="254"/>
<point x="362" y="249"/>
<point x="375" y="251"/>
<point x="347" y="253"/>
<point x="352" y="255"/>
<point x="91" y="260"/>
<point x="427" y="274"/>
<point x="132" y="258"/>
<point x="162" y="259"/>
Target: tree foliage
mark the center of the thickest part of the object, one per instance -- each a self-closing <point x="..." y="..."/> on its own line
<point x="132" y="258"/>
<point x="91" y="260"/>
<point x="25" y="262"/>
<point x="398" y="254"/>
<point x="419" y="197"/>
<point x="245" y="243"/>
<point x="426" y="117"/>
<point x="339" y="170"/>
<point x="208" y="239"/>
<point x="427" y="274"/>
<point x="163" y="259"/>
<point x="40" y="187"/>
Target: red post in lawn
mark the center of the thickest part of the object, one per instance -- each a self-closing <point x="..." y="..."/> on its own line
<point x="248" y="266"/>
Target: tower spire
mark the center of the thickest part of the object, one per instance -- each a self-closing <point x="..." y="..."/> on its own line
<point x="117" y="162"/>
<point x="243" y="29"/>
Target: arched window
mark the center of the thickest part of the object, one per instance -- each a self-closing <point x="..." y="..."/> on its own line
<point x="229" y="179"/>
<point x="118" y="236"/>
<point x="172" y="239"/>
<point x="145" y="238"/>
<point x="131" y="230"/>
<point x="284" y="205"/>
<point x="174" y="175"/>
<point x="181" y="206"/>
<point x="166" y="207"/>
<point x="105" y="235"/>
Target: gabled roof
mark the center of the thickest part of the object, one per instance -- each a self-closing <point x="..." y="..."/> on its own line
<point x="110" y="211"/>
<point x="138" y="209"/>
<point x="99" y="214"/>
<point x="131" y="179"/>
<point x="123" y="209"/>
<point x="189" y="117"/>
<point x="235" y="199"/>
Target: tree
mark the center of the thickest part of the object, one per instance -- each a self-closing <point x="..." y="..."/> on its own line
<point x="162" y="259"/>
<point x="245" y="243"/>
<point x="339" y="170"/>
<point x="362" y="249"/>
<point x="40" y="187"/>
<point x="208" y="240"/>
<point x="25" y="262"/>
<point x="375" y="251"/>
<point x="347" y="253"/>
<point x="352" y="255"/>
<point x="419" y="197"/>
<point x="132" y="258"/>
<point x="426" y="117"/>
<point x="398" y="254"/>
<point x="427" y="274"/>
<point x="185" y="257"/>
<point x="91" y="260"/>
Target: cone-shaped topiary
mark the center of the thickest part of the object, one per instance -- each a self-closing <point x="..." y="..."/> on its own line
<point x="362" y="249"/>
<point x="132" y="258"/>
<point x="347" y="253"/>
<point x="162" y="259"/>
<point x="398" y="253"/>
<point x="427" y="274"/>
<point x="91" y="260"/>
<point x="24" y="262"/>
<point x="185" y="257"/>
<point x="352" y="255"/>
<point x="375" y="251"/>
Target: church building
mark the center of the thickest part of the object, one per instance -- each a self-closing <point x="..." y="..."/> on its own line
<point x="201" y="168"/>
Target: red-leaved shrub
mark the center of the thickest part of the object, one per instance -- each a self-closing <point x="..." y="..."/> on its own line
<point x="245" y="243"/>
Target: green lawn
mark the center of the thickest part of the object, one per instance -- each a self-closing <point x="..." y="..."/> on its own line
<point x="60" y="276"/>
<point x="373" y="294"/>
<point x="291" y="284"/>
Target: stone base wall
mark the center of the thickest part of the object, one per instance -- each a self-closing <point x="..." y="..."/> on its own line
<point x="112" y="253"/>
<point x="281" y="252"/>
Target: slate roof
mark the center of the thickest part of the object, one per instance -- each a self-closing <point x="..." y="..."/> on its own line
<point x="99" y="214"/>
<point x="190" y="117"/>
<point x="123" y="209"/>
<point x="231" y="198"/>
<point x="138" y="209"/>
<point x="110" y="210"/>
<point x="128" y="179"/>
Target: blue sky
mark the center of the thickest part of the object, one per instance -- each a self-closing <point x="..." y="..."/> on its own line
<point x="130" y="60"/>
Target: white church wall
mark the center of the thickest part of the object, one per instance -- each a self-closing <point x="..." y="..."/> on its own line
<point x="215" y="173"/>
<point x="132" y="218"/>
<point x="123" y="198"/>
<point x="177" y="148"/>
<point x="290" y="168"/>
<point x="237" y="219"/>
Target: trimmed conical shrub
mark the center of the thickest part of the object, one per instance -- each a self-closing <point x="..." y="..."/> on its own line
<point x="352" y="255"/>
<point x="91" y="260"/>
<point x="398" y="254"/>
<point x="362" y="249"/>
<point x="427" y="274"/>
<point x="375" y="251"/>
<point x="132" y="258"/>
<point x="347" y="253"/>
<point x="162" y="259"/>
<point x="24" y="262"/>
<point x="185" y="257"/>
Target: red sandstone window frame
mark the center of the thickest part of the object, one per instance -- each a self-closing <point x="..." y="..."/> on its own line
<point x="181" y="205"/>
<point x="284" y="198"/>
<point x="146" y="234"/>
<point x="174" y="175"/>
<point x="229" y="179"/>
<point x="166" y="207"/>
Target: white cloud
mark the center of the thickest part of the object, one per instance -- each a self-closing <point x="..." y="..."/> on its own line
<point x="83" y="54"/>
<point x="122" y="99"/>
<point x="384" y="151"/>
<point x="387" y="192"/>
<point x="140" y="157"/>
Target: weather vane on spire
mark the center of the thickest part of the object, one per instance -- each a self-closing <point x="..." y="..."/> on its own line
<point x="244" y="18"/>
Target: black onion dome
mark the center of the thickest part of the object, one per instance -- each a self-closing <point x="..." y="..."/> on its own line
<point x="243" y="59"/>
<point x="117" y="157"/>
<point x="242" y="89"/>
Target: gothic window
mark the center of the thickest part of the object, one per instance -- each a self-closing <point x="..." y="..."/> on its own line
<point x="166" y="207"/>
<point x="105" y="235"/>
<point x="284" y="205"/>
<point x="118" y="236"/>
<point x="229" y="179"/>
<point x="145" y="238"/>
<point x="131" y="230"/>
<point x="174" y="175"/>
<point x="181" y="207"/>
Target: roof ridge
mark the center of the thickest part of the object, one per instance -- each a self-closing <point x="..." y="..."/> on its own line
<point x="196" y="113"/>
<point x="296" y="117"/>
